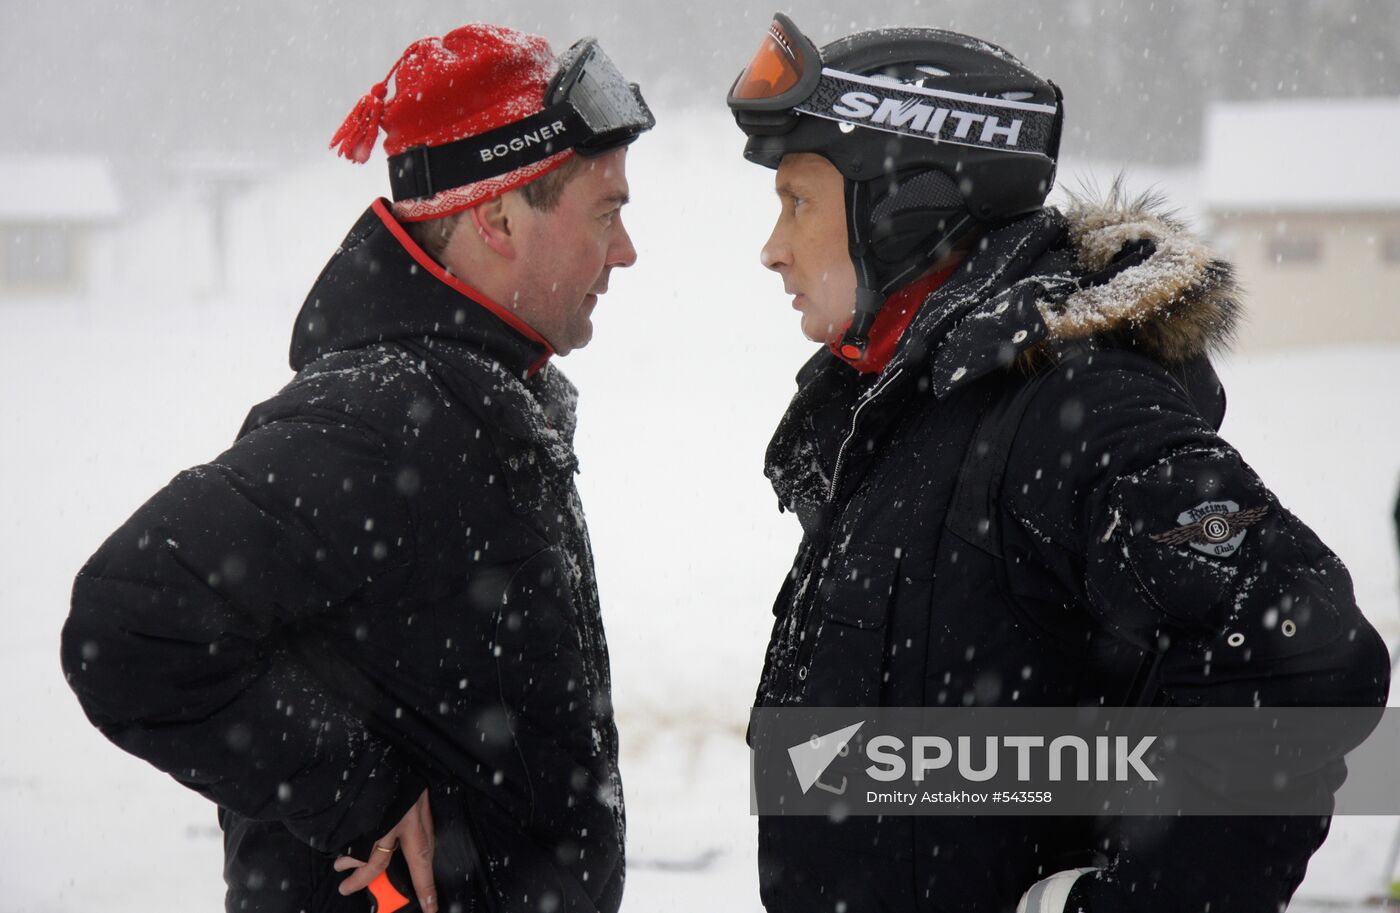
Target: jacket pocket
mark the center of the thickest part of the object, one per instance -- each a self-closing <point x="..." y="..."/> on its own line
<point x="860" y="592"/>
<point x="846" y="661"/>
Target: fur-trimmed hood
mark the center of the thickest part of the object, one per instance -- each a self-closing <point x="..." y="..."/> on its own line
<point x="1118" y="272"/>
<point x="1147" y="280"/>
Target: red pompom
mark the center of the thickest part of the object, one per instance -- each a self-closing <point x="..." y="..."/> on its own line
<point x="473" y="79"/>
<point x="357" y="135"/>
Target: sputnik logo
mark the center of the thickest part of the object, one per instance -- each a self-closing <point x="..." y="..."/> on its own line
<point x="811" y="758"/>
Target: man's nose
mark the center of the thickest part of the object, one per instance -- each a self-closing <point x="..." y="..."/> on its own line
<point x="622" y="252"/>
<point x="775" y="253"/>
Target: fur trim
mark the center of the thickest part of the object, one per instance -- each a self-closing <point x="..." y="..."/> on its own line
<point x="1181" y="303"/>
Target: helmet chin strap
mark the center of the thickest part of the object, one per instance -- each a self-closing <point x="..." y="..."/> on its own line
<point x="869" y="296"/>
<point x="871" y="293"/>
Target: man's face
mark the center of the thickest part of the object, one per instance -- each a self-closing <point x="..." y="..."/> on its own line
<point x="808" y="245"/>
<point x="568" y="253"/>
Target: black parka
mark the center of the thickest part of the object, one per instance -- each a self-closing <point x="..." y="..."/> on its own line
<point x="989" y="522"/>
<point x="384" y="585"/>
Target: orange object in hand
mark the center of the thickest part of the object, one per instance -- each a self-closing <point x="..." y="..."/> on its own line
<point x="387" y="898"/>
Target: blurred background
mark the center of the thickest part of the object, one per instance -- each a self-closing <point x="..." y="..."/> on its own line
<point x="167" y="197"/>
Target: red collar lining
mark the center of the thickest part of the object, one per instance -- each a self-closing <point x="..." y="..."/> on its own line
<point x="457" y="285"/>
<point x="894" y="318"/>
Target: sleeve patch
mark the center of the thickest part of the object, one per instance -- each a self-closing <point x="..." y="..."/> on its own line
<point x="1215" y="528"/>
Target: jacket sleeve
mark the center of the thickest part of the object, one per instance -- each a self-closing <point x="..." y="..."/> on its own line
<point x="179" y="642"/>
<point x="1172" y="542"/>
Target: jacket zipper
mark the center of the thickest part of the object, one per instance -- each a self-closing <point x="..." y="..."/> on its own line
<point x="855" y="420"/>
<point x="803" y="652"/>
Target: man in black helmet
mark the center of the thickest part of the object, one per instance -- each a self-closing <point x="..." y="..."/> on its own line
<point x="1006" y="465"/>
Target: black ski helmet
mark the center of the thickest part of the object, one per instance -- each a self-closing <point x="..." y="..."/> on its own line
<point x="936" y="135"/>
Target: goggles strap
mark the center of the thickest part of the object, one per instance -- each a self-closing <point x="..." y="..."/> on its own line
<point x="423" y="171"/>
<point x="934" y="115"/>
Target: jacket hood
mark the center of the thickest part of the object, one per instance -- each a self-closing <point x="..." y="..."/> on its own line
<point x="1118" y="272"/>
<point x="1147" y="280"/>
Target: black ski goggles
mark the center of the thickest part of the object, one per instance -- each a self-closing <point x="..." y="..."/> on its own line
<point x="590" y="107"/>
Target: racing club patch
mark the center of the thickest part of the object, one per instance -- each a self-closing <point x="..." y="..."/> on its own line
<point x="1214" y="528"/>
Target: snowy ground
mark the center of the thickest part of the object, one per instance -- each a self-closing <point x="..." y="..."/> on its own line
<point x="695" y="349"/>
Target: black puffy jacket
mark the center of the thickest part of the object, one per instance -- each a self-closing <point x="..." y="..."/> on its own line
<point x="384" y="585"/>
<point x="1003" y="517"/>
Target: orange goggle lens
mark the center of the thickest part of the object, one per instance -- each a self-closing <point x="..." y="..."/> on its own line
<point x="774" y="69"/>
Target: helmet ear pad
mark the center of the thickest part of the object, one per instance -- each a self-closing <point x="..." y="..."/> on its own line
<point x="916" y="217"/>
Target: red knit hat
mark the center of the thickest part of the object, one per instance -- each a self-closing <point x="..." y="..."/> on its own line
<point x="471" y="80"/>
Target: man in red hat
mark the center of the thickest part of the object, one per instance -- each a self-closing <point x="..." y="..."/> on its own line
<point x="369" y="630"/>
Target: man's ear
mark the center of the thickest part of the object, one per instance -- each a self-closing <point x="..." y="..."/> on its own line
<point x="493" y="223"/>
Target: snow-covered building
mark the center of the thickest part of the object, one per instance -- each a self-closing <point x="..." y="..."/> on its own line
<point x="53" y="209"/>
<point x="1304" y="199"/>
<point x="248" y="231"/>
<point x="177" y="246"/>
